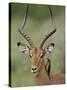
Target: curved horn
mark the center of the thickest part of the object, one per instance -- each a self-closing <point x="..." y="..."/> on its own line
<point x="26" y="37"/>
<point x="25" y="18"/>
<point x="53" y="26"/>
<point x="23" y="33"/>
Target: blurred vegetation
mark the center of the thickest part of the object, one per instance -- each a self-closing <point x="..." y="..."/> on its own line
<point x="37" y="26"/>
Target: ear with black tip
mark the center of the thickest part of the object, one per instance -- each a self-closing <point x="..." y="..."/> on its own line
<point x="18" y="44"/>
<point x="49" y="49"/>
<point x="23" y="48"/>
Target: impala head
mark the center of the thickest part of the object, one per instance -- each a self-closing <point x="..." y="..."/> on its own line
<point x="36" y="54"/>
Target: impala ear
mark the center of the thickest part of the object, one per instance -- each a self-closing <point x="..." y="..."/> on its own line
<point x="49" y="49"/>
<point x="23" y="48"/>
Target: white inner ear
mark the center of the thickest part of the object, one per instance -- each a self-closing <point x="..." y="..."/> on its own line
<point x="49" y="49"/>
<point x="24" y="49"/>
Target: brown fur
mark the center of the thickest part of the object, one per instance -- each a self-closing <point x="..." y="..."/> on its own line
<point x="42" y="78"/>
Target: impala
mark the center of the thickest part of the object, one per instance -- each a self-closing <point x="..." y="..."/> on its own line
<point x="41" y="67"/>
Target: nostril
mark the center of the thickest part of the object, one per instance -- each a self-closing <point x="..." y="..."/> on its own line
<point x="18" y="43"/>
<point x="33" y="69"/>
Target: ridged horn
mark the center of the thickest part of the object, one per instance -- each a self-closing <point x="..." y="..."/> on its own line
<point x="53" y="27"/>
<point x="23" y="25"/>
<point x="27" y="38"/>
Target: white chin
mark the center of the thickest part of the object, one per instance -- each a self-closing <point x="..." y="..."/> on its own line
<point x="34" y="73"/>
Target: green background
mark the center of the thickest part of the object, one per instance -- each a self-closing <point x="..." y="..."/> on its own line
<point x="38" y="24"/>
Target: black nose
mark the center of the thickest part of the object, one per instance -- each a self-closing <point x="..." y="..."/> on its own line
<point x="18" y="44"/>
<point x="33" y="69"/>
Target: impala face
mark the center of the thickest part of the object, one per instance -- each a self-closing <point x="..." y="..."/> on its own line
<point x="36" y="55"/>
<point x="36" y="59"/>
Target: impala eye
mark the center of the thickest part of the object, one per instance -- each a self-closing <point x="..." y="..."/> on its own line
<point x="41" y="56"/>
<point x="30" y="55"/>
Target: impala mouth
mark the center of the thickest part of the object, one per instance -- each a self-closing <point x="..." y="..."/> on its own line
<point x="35" y="73"/>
